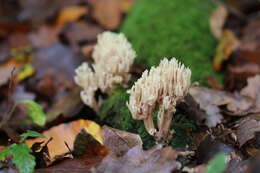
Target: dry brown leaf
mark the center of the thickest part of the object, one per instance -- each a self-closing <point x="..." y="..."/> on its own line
<point x="67" y="133"/>
<point x="5" y="73"/>
<point x="228" y="43"/>
<point x="252" y="90"/>
<point x="210" y="99"/>
<point x="246" y="129"/>
<point x="44" y="36"/>
<point x="71" y="13"/>
<point x="76" y="165"/>
<point x="118" y="141"/>
<point x="217" y="21"/>
<point x="80" y="31"/>
<point x="136" y="160"/>
<point x="107" y="13"/>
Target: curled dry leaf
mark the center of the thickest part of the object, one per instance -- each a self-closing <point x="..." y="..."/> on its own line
<point x="136" y="160"/>
<point x="217" y="20"/>
<point x="235" y="103"/>
<point x="252" y="90"/>
<point x="204" y="98"/>
<point x="118" y="141"/>
<point x="228" y="43"/>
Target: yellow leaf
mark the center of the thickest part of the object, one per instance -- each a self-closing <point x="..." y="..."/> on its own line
<point x="227" y="44"/>
<point x="69" y="14"/>
<point x="67" y="132"/>
<point x="26" y="71"/>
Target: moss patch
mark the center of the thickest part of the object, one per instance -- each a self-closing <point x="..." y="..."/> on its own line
<point x="173" y="28"/>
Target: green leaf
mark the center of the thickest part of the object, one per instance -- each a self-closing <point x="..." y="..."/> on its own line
<point x="21" y="157"/>
<point x="35" y="112"/>
<point x="217" y="164"/>
<point x="30" y="133"/>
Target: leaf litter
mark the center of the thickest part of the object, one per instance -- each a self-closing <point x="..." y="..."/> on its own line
<point x="65" y="32"/>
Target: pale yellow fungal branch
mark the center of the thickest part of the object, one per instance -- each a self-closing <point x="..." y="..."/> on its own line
<point x="162" y="87"/>
<point x="113" y="57"/>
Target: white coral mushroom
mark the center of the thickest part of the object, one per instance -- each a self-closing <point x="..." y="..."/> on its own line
<point x="162" y="87"/>
<point x="113" y="56"/>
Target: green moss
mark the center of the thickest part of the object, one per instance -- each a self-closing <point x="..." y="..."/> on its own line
<point x="173" y="28"/>
<point x="115" y="113"/>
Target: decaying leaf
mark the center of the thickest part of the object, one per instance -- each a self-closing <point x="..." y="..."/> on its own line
<point x="107" y="13"/>
<point x="204" y="99"/>
<point x="238" y="74"/>
<point x="5" y="73"/>
<point x="252" y="90"/>
<point x="246" y="129"/>
<point x="44" y="36"/>
<point x="76" y="165"/>
<point x="79" y="32"/>
<point x="228" y="43"/>
<point x="136" y="160"/>
<point x="118" y="141"/>
<point x="67" y="133"/>
<point x="209" y="99"/>
<point x="217" y="21"/>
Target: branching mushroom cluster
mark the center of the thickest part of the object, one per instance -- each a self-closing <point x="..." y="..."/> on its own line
<point x="113" y="56"/>
<point x="160" y="88"/>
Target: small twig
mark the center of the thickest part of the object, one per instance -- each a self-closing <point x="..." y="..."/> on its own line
<point x="70" y="151"/>
<point x="10" y="85"/>
<point x="7" y="116"/>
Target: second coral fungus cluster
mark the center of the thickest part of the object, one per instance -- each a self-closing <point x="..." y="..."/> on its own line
<point x="113" y="56"/>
